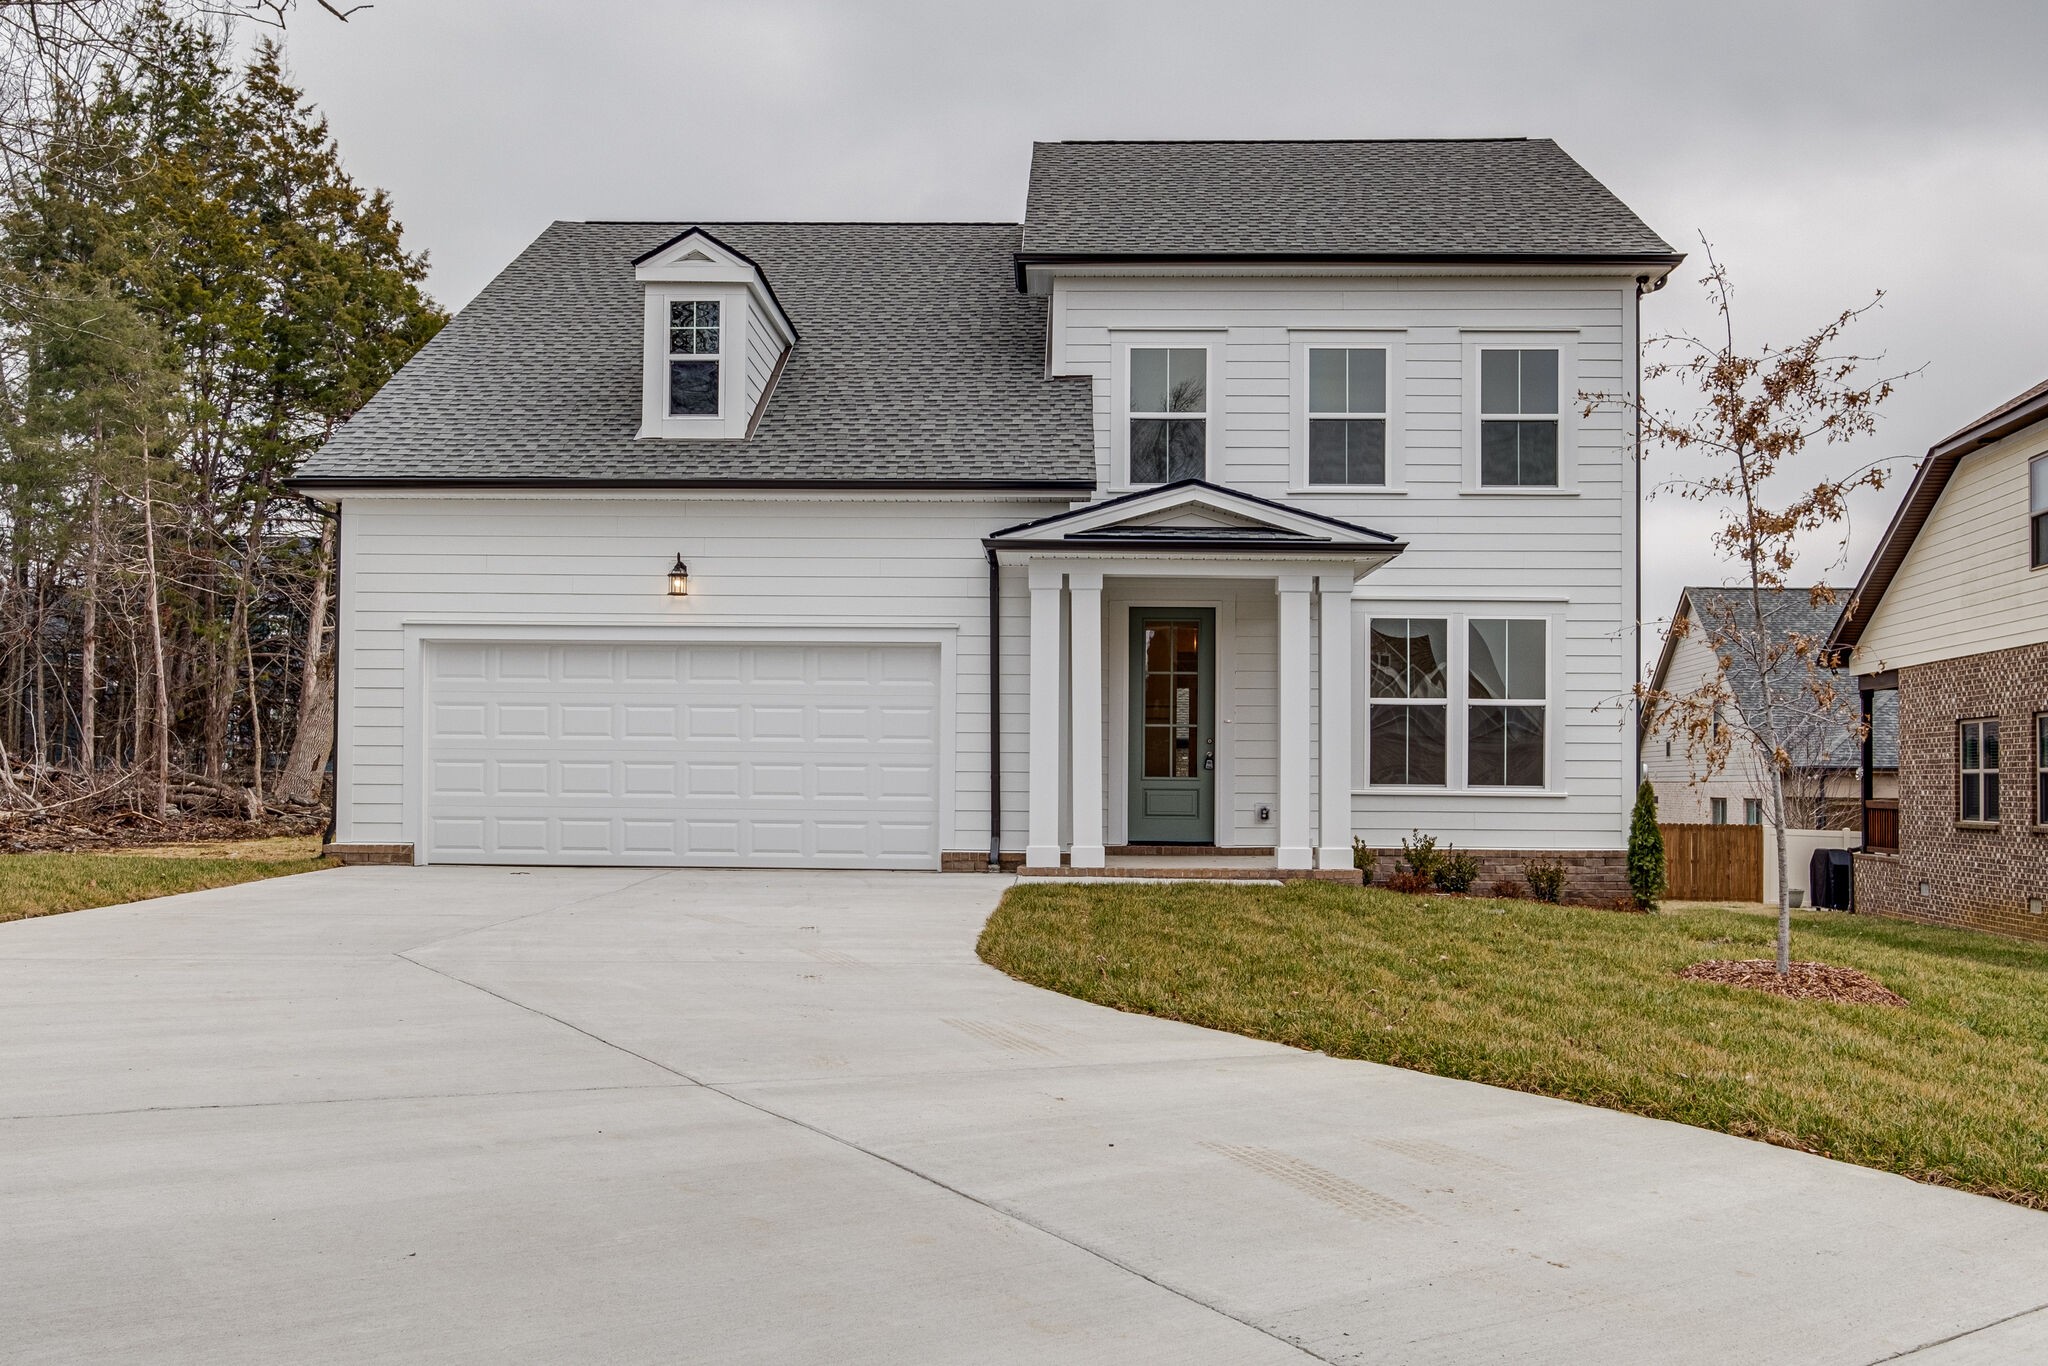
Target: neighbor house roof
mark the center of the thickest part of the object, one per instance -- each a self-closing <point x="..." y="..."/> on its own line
<point x="1929" y="479"/>
<point x="1788" y="611"/>
<point x="919" y="364"/>
<point x="1435" y="199"/>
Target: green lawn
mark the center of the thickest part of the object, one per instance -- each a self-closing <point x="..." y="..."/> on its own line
<point x="44" y="884"/>
<point x="1584" y="1004"/>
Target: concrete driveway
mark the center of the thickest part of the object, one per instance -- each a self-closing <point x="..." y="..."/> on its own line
<point x="471" y="1115"/>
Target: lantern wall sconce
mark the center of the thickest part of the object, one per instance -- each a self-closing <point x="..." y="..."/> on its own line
<point x="679" y="578"/>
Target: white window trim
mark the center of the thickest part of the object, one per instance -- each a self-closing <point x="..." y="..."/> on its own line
<point x="1361" y="730"/>
<point x="733" y="322"/>
<point x="1564" y="341"/>
<point x="1962" y="773"/>
<point x="1391" y="341"/>
<point x="1457" y="728"/>
<point x="1547" y="703"/>
<point x="1210" y="343"/>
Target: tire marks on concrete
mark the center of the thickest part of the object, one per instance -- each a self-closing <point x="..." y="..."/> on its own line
<point x="1342" y="1193"/>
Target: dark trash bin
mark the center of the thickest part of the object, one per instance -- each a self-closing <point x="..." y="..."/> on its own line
<point x="1829" y="875"/>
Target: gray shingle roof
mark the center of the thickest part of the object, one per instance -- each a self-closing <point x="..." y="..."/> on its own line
<point x="919" y="363"/>
<point x="1483" y="197"/>
<point x="1793" y="611"/>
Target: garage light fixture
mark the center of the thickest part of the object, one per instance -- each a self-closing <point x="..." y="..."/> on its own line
<point x="679" y="578"/>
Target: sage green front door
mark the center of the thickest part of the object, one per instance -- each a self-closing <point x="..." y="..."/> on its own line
<point x="1173" y="725"/>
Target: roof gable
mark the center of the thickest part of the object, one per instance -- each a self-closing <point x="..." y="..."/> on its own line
<point x="1193" y="514"/>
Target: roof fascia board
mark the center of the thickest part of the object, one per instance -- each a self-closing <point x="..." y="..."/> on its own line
<point x="1922" y="494"/>
<point x="1035" y="269"/>
<point x="456" y="485"/>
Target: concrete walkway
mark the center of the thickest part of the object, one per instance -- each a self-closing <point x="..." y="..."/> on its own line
<point x="470" y="1115"/>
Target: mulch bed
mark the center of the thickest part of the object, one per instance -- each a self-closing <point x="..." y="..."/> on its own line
<point x="1806" y="982"/>
<point x="79" y="833"/>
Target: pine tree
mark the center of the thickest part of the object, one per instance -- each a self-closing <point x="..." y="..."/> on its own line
<point x="1645" y="850"/>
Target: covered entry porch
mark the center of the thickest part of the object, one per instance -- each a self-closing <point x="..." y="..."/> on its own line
<point x="1190" y="680"/>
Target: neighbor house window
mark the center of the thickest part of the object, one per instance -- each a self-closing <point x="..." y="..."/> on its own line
<point x="1718" y="807"/>
<point x="1347" y="415"/>
<point x="1506" y="703"/>
<point x="1169" y="413"/>
<point x="694" y="347"/>
<point x="2037" y="504"/>
<point x="1408" y="668"/>
<point x="1752" y="811"/>
<point x="1518" y="418"/>
<point x="2041" y="769"/>
<point x="1980" y="770"/>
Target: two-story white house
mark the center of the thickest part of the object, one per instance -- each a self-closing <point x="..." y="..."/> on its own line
<point x="1242" y="499"/>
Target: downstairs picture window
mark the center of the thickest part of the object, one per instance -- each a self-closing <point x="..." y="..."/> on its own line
<point x="1507" y="703"/>
<point x="1408" y="670"/>
<point x="2041" y="769"/>
<point x="1979" y="754"/>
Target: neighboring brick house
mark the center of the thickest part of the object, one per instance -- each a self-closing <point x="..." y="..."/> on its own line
<point x="1824" y="789"/>
<point x="1952" y="615"/>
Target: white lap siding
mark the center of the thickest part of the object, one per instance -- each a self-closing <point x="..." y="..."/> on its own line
<point x="1570" y="552"/>
<point x="427" y="565"/>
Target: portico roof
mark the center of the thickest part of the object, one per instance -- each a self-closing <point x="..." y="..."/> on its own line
<point x="1193" y="516"/>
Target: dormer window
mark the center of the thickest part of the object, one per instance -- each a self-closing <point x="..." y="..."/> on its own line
<point x="694" y="350"/>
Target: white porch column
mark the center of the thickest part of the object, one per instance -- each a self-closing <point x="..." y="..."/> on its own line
<point x="1334" y="849"/>
<point x="1042" y="847"/>
<point x="1296" y="836"/>
<point x="1084" y="673"/>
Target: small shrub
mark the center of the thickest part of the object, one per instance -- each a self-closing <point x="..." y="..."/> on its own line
<point x="1457" y="873"/>
<point x="1422" y="857"/>
<point x="1362" y="858"/>
<point x="1645" y="850"/>
<point x="1507" y="889"/>
<point x="1408" y="882"/>
<point x="1546" y="879"/>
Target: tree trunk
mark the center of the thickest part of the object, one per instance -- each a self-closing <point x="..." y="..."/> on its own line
<point x="89" y="647"/>
<point x="314" y="736"/>
<point x="156" y="637"/>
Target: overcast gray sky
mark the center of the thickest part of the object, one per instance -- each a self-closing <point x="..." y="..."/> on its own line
<point x="1828" y="150"/>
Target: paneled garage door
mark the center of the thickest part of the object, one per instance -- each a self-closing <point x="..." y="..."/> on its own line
<point x="709" y="754"/>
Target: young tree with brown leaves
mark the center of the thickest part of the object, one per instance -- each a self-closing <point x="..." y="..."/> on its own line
<point x="1748" y="443"/>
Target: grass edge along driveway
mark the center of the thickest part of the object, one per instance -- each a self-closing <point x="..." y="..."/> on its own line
<point x="1586" y="1005"/>
<point x="47" y="884"/>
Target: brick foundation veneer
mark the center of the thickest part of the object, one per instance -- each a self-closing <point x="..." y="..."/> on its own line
<point x="1976" y="877"/>
<point x="1593" y="877"/>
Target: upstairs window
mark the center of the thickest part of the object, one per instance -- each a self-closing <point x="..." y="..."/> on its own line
<point x="1347" y="423"/>
<point x="1408" y="668"/>
<point x="1518" y="418"/>
<point x="1506" y="705"/>
<point x="694" y="347"/>
<point x="1979" y="770"/>
<point x="1169" y="410"/>
<point x="2037" y="504"/>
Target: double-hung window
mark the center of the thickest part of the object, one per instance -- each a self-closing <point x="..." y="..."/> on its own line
<point x="2037" y="507"/>
<point x="1409" y="672"/>
<point x="1719" y="807"/>
<point x="1347" y="415"/>
<point x="2041" y="769"/>
<point x="1506" y="703"/>
<point x="1979" y="766"/>
<point x="695" y="347"/>
<point x="1518" y="417"/>
<point x="1752" y="811"/>
<point x="1169" y="413"/>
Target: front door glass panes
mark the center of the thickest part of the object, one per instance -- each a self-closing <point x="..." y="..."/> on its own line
<point x="1407" y="668"/>
<point x="1173" y="699"/>
<point x="1169" y="406"/>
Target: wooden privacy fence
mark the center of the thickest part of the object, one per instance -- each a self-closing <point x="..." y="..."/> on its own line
<point x="1714" y="862"/>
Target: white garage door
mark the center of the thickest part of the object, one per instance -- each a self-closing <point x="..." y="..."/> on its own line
<point x="710" y="754"/>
